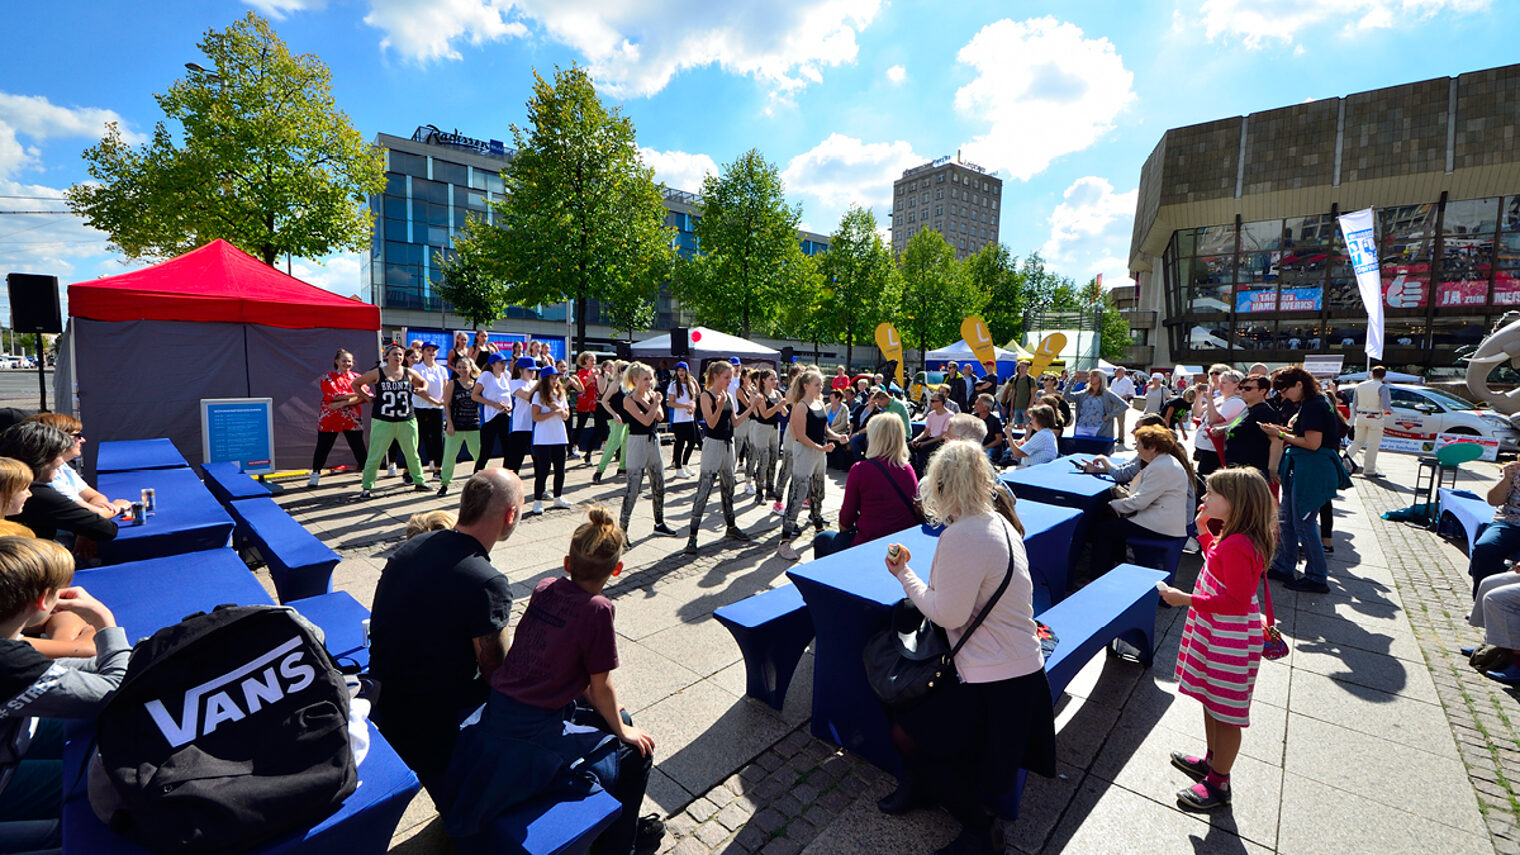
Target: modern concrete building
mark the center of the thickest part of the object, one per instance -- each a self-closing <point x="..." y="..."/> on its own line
<point x="434" y="180"/>
<point x="960" y="200"/>
<point x="1236" y="245"/>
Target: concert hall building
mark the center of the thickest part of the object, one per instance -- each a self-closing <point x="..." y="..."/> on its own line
<point x="1236" y="246"/>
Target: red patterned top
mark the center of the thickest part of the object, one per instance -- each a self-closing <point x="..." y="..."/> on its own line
<point x="586" y="403"/>
<point x="338" y="417"/>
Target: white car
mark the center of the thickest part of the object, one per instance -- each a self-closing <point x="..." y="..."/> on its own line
<point x="1420" y="412"/>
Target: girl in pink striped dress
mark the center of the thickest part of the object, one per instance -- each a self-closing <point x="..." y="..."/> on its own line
<point x="1222" y="640"/>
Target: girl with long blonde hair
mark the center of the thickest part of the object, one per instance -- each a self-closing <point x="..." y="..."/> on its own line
<point x="811" y="443"/>
<point x="722" y="417"/>
<point x="643" y="408"/>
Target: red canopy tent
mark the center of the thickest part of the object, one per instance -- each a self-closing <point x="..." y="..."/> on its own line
<point x="147" y="346"/>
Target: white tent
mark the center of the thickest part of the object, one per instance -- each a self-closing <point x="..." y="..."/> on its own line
<point x="705" y="344"/>
<point x="1393" y="377"/>
<point x="961" y="352"/>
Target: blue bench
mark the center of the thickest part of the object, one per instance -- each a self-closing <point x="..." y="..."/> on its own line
<point x="228" y="484"/>
<point x="1120" y="604"/>
<point x="300" y="565"/>
<point x="546" y="826"/>
<point x="1084" y="445"/>
<point x="1462" y="511"/>
<point x="773" y="629"/>
<point x="341" y="618"/>
<point x="1159" y="553"/>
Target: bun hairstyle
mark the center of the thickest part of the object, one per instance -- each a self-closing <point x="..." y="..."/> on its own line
<point x="596" y="547"/>
<point x="339" y="355"/>
<point x="429" y="521"/>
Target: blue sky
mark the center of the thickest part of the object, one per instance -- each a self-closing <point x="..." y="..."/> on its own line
<point x="1064" y="101"/>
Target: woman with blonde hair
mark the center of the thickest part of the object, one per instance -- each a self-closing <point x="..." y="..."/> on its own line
<point x="811" y="443"/>
<point x="643" y="409"/>
<point x="339" y="414"/>
<point x="971" y="736"/>
<point x="721" y="417"/>
<point x="765" y="409"/>
<point x="429" y="521"/>
<point x="1096" y="407"/>
<point x="879" y="493"/>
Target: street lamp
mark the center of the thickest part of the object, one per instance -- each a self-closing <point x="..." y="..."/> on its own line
<point x="200" y="69"/>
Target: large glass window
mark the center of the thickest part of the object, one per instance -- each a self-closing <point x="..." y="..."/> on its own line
<point x="1266" y="234"/>
<point x="408" y="164"/>
<point x="452" y="173"/>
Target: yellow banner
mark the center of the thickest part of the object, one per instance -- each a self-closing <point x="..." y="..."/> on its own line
<point x="891" y="348"/>
<point x="974" y="331"/>
<point x="1046" y="353"/>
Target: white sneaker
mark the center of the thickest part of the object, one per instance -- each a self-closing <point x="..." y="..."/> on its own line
<point x="787" y="552"/>
<point x="686" y="473"/>
<point x="538" y="508"/>
<point x="391" y="472"/>
<point x="560" y="502"/>
<point x="749" y="489"/>
<point x="315" y="477"/>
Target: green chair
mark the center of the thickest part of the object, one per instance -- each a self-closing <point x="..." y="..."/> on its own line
<point x="1447" y="460"/>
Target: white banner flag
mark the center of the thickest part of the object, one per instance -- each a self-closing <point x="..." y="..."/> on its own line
<point x="1361" y="246"/>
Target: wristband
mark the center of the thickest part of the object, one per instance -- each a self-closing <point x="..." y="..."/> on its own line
<point x="1282" y="435"/>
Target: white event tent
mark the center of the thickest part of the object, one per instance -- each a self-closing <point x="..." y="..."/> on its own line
<point x="705" y="344"/>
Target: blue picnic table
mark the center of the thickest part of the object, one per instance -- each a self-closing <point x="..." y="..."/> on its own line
<point x="188" y="519"/>
<point x="122" y="455"/>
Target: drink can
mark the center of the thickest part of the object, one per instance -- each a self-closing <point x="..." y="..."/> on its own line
<point x="364" y="624"/>
<point x="150" y="500"/>
<point x="139" y="514"/>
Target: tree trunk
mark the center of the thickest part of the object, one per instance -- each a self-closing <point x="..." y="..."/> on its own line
<point x="580" y="320"/>
<point x="849" y="352"/>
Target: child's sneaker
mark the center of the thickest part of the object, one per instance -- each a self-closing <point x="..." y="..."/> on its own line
<point x="315" y="478"/>
<point x="561" y="503"/>
<point x="391" y="472"/>
<point x="1195" y="767"/>
<point x="1203" y="796"/>
<point x="538" y="508"/>
<point x="777" y="509"/>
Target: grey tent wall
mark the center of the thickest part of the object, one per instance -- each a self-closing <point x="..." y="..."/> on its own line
<point x="142" y="379"/>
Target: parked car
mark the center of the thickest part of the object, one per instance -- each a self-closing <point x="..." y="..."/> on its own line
<point x="1420" y="412"/>
<point x="923" y="384"/>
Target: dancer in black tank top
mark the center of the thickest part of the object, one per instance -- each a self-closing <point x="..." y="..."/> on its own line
<point x="716" y="410"/>
<point x="643" y="409"/>
<point x="392" y="418"/>
<point x="461" y="424"/>
<point x="811" y="442"/>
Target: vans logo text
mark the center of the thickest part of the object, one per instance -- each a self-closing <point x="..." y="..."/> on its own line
<point x="257" y="683"/>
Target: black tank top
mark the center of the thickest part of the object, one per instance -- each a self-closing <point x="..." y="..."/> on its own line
<point x="817" y="424"/>
<point x="393" y="399"/>
<point x="463" y="411"/>
<point x="725" y="429"/>
<point x="775" y="417"/>
<point x="629" y="406"/>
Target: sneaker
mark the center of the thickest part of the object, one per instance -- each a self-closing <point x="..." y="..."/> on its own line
<point x="651" y="830"/>
<point x="538" y="508"/>
<point x="684" y="472"/>
<point x="391" y="472"/>
<point x="596" y="477"/>
<point x="1281" y="577"/>
<point x="444" y="490"/>
<point x="364" y="494"/>
<point x="787" y="552"/>
<point x="315" y="478"/>
<point x="777" y="509"/>
<point x="420" y="487"/>
<point x="1193" y="766"/>
<point x="733" y="532"/>
<point x="807" y="503"/>
<point x="1307" y="586"/>
<point x="1202" y="796"/>
<point x="664" y="530"/>
<point x="573" y="455"/>
<point x="749" y="489"/>
<point x="691" y="545"/>
<point x="561" y="503"/>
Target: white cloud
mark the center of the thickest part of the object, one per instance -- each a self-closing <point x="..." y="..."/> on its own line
<point x="336" y="273"/>
<point x="679" y="170"/>
<point x="843" y="170"/>
<point x="428" y="30"/>
<point x="1254" y="24"/>
<point x="896" y="75"/>
<point x="1044" y="89"/>
<point x="278" y="9"/>
<point x="1090" y="231"/>
<point x="38" y="119"/>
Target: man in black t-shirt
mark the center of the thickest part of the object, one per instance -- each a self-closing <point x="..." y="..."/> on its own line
<point x="438" y="627"/>
<point x="1247" y="444"/>
<point x="995" y="444"/>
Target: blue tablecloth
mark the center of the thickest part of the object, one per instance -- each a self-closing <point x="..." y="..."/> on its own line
<point x="149" y="595"/>
<point x="1059" y="483"/>
<point x="850" y="595"/>
<point x="189" y="518"/>
<point x="123" y="455"/>
<point x="341" y="618"/>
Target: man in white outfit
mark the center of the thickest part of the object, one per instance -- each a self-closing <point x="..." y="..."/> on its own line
<point x="1369" y="403"/>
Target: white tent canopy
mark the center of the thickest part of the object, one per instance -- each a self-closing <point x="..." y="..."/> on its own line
<point x="706" y="344"/>
<point x="1393" y="377"/>
<point x="961" y="352"/>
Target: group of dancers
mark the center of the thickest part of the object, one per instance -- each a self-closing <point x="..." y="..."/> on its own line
<point x="521" y="403"/>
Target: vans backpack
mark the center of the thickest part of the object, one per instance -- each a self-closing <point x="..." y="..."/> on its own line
<point x="230" y="729"/>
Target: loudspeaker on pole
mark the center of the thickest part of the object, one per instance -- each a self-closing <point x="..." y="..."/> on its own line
<point x="34" y="303"/>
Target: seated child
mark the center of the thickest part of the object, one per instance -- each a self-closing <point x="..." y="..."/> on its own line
<point x="34" y="584"/>
<point x="553" y="711"/>
<point x="429" y="521"/>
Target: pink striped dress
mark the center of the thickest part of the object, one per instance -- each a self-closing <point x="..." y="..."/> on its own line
<point x="1222" y="639"/>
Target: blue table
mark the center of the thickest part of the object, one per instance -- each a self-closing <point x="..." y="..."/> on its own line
<point x="850" y="595"/>
<point x="189" y="518"/>
<point x="149" y="595"/>
<point x="341" y="618"/>
<point x="1059" y="483"/>
<point x="123" y="455"/>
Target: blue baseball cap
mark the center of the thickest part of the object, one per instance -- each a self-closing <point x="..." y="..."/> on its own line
<point x="495" y="358"/>
<point x="733" y="360"/>
<point x="522" y="362"/>
<point x="682" y="364"/>
<point x="547" y="371"/>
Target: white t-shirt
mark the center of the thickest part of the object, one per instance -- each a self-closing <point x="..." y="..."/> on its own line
<point x="492" y="388"/>
<point x="548" y="431"/>
<point x="522" y="411"/>
<point x="435" y="377"/>
<point x="68" y="482"/>
<point x="1041" y="448"/>
<point x="1124" y="387"/>
<point x="678" y="415"/>
<point x="1231" y="410"/>
<point x="733" y="385"/>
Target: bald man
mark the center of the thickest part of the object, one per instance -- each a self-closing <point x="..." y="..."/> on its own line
<point x="439" y="625"/>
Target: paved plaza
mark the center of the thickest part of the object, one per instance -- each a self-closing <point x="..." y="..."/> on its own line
<point x="1373" y="736"/>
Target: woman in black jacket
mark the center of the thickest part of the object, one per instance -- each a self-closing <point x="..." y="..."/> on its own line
<point x="43" y="449"/>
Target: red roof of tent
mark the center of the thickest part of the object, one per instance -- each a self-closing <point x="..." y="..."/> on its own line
<point x="218" y="282"/>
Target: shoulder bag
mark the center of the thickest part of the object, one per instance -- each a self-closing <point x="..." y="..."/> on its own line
<point x="1273" y="646"/>
<point x="913" y="504"/>
<point x="905" y="661"/>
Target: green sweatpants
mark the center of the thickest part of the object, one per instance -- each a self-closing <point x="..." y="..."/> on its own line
<point x="469" y="439"/>
<point x="381" y="433"/>
<point x="614" y="443"/>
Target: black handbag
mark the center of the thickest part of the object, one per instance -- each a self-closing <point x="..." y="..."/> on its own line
<point x="905" y="661"/>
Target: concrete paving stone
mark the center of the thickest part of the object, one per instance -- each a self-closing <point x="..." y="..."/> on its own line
<point x="1106" y="680"/>
<point x="751" y="838"/>
<point x="1396" y="718"/>
<point x="1272" y="682"/>
<point x="663" y="795"/>
<point x="721" y="796"/>
<point x="1424" y="784"/>
<point x="1375" y="671"/>
<point x="1041" y="806"/>
<point x="861" y="829"/>
<point x="1380" y="637"/>
<point x="705" y="733"/>
<point x="702" y="645"/>
<point x="701" y="809"/>
<point x="1166" y="708"/>
<point x="769" y="820"/>
<point x="781" y="846"/>
<point x="733" y="815"/>
<point x="691" y="846"/>
<point x="1140" y="761"/>
<point x="1330" y="821"/>
<point x="711" y="834"/>
<point x="1081" y="727"/>
<point x="1105" y="818"/>
<point x="644" y="677"/>
<point x="788" y="805"/>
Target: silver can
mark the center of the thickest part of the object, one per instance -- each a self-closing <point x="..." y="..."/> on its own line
<point x="364" y="624"/>
<point x="139" y="513"/>
<point x="150" y="500"/>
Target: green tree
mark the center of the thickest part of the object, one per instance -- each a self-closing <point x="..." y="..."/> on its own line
<point x="803" y="314"/>
<point x="995" y="272"/>
<point x="750" y="258"/>
<point x="936" y="292"/>
<point x="470" y="285"/>
<point x="581" y="217"/>
<point x="267" y="160"/>
<point x="1113" y="331"/>
<point x="861" y="280"/>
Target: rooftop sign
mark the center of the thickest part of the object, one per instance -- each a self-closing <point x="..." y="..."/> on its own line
<point x="431" y="135"/>
<point x="941" y="161"/>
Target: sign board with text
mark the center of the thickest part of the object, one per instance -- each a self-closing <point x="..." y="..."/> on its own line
<point x="1324" y="366"/>
<point x="240" y="430"/>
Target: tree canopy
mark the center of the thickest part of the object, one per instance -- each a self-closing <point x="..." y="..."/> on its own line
<point x="860" y="280"/>
<point x="994" y="272"/>
<point x="937" y="293"/>
<point x="265" y="160"/>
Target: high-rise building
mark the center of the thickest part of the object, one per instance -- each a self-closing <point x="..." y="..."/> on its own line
<point x="434" y="180"/>
<point x="958" y="199"/>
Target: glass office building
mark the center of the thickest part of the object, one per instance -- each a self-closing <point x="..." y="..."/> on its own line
<point x="1236" y="242"/>
<point x="434" y="181"/>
